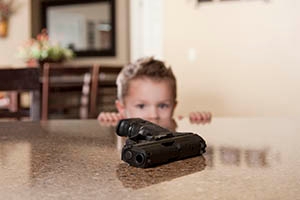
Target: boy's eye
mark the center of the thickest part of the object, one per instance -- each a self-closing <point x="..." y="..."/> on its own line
<point x="163" y="105"/>
<point x="140" y="106"/>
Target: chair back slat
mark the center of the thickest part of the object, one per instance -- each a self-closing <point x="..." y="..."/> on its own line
<point x="61" y="80"/>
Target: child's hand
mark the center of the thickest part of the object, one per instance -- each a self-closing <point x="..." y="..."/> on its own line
<point x="109" y="117"/>
<point x="200" y="117"/>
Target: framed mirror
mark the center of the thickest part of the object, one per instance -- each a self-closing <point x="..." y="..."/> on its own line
<point x="87" y="27"/>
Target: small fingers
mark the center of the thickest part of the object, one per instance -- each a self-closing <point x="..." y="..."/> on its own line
<point x="200" y="117"/>
<point x="109" y="118"/>
<point x="116" y="117"/>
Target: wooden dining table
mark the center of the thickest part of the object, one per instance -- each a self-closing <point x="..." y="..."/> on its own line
<point x="246" y="158"/>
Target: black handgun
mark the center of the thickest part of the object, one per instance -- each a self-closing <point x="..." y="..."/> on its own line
<point x="149" y="144"/>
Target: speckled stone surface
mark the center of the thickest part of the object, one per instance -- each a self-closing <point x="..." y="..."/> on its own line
<point x="254" y="158"/>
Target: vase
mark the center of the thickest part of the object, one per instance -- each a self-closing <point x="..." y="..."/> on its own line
<point x="3" y="27"/>
<point x="41" y="63"/>
<point x="32" y="63"/>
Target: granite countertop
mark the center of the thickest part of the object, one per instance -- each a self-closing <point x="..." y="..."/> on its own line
<point x="80" y="159"/>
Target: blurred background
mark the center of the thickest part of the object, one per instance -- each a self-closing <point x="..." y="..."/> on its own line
<point x="231" y="57"/>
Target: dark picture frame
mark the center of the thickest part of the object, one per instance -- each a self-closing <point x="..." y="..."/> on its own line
<point x="111" y="51"/>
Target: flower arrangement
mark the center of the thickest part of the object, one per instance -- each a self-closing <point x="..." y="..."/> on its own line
<point x="6" y="8"/>
<point x="42" y="50"/>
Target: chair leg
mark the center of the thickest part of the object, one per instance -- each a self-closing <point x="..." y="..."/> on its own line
<point x="45" y="91"/>
<point x="94" y="91"/>
<point x="13" y="98"/>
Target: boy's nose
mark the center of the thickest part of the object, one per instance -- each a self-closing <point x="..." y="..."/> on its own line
<point x="153" y="114"/>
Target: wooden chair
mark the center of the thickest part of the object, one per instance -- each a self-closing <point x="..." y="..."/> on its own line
<point x="16" y="81"/>
<point x="58" y="79"/>
<point x="104" y="90"/>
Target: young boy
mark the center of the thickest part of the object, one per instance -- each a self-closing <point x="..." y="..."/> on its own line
<point x="147" y="89"/>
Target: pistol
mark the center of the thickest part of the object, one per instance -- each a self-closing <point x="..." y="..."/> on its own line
<point x="149" y="145"/>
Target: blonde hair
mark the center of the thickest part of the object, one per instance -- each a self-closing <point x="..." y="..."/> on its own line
<point x="146" y="67"/>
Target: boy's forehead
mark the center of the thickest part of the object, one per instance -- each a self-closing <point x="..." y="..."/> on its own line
<point x="147" y="86"/>
<point x="143" y="82"/>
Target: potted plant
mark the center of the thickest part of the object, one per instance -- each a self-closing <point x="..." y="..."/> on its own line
<point x="41" y="50"/>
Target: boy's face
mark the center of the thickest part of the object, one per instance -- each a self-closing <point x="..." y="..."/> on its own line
<point x="148" y="99"/>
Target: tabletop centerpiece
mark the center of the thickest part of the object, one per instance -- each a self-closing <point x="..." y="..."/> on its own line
<point x="40" y="50"/>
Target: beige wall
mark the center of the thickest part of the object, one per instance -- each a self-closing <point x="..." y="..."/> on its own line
<point x="20" y="31"/>
<point x="246" y="58"/>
